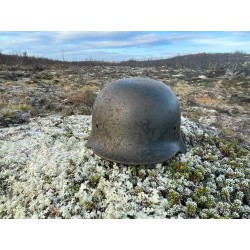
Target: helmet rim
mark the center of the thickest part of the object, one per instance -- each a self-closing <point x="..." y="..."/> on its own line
<point x="144" y="155"/>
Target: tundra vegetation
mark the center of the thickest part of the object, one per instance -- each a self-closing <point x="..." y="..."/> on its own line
<point x="46" y="171"/>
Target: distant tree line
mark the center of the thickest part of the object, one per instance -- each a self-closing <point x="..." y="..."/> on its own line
<point x="22" y="59"/>
<point x="201" y="61"/>
<point x="209" y="61"/>
<point x="18" y="59"/>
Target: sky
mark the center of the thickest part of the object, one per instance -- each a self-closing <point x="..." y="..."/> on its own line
<point x="120" y="45"/>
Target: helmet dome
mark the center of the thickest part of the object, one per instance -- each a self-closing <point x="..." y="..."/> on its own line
<point x="136" y="121"/>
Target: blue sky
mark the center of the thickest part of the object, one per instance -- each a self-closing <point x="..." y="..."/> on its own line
<point x="121" y="45"/>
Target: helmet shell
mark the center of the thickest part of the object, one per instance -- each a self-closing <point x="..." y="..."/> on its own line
<point x="136" y="121"/>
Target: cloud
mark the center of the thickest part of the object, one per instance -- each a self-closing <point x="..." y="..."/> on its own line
<point x="222" y="42"/>
<point x="111" y="45"/>
<point x="63" y="36"/>
<point x="96" y="40"/>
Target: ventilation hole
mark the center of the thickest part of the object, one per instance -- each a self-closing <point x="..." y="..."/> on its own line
<point x="175" y="127"/>
<point x="96" y="125"/>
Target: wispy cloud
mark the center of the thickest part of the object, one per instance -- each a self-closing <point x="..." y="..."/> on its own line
<point x="113" y="39"/>
<point x="222" y="42"/>
<point x="106" y="45"/>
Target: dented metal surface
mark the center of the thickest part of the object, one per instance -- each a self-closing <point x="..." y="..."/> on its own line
<point x="136" y="121"/>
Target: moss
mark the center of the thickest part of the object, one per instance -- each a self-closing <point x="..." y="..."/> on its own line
<point x="209" y="157"/>
<point x="225" y="195"/>
<point x="24" y="107"/>
<point x="225" y="150"/>
<point x="141" y="174"/>
<point x="179" y="169"/>
<point x="94" y="180"/>
<point x="73" y="187"/>
<point x="203" y="198"/>
<point x="7" y="113"/>
<point x="210" y="213"/>
<point x="55" y="136"/>
<point x="138" y="190"/>
<point x="173" y="196"/>
<point x="191" y="207"/>
<point x="133" y="170"/>
<point x="147" y="203"/>
<point x="210" y="201"/>
<point x="229" y="149"/>
<point x="68" y="133"/>
<point x="197" y="175"/>
<point x="71" y="162"/>
<point x="151" y="173"/>
<point x="47" y="178"/>
<point x="89" y="205"/>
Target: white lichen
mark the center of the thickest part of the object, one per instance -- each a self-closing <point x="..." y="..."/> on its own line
<point x="46" y="171"/>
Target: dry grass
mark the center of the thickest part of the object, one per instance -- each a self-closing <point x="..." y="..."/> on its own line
<point x="3" y="103"/>
<point x="8" y="110"/>
<point x="86" y="97"/>
<point x="75" y="97"/>
<point x="206" y="100"/>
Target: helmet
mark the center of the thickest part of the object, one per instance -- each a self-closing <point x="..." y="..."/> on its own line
<point x="136" y="121"/>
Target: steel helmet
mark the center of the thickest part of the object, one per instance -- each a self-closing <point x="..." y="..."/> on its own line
<point x="136" y="121"/>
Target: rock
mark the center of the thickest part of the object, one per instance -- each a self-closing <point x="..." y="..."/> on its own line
<point x="16" y="117"/>
<point x="202" y="77"/>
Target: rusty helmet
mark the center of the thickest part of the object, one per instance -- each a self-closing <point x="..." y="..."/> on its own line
<point x="136" y="121"/>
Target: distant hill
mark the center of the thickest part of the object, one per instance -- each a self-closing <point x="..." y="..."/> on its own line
<point x="201" y="61"/>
